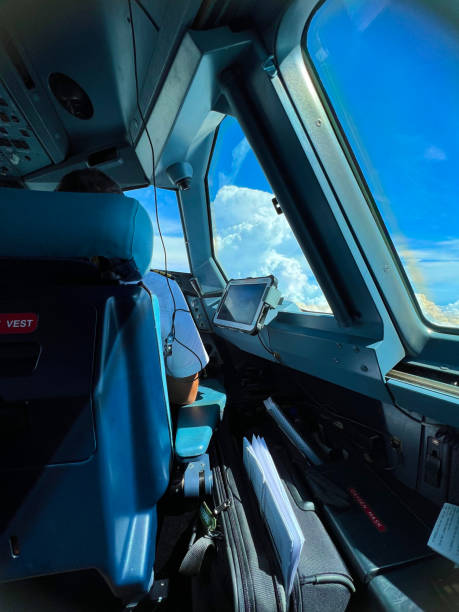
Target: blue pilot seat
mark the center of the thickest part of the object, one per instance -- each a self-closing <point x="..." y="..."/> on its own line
<point x="86" y="442"/>
<point x="197" y="421"/>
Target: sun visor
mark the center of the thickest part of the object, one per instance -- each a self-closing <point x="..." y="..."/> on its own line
<point x="39" y="224"/>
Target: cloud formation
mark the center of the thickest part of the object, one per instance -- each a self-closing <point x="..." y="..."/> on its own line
<point x="251" y="239"/>
<point x="433" y="269"/>
<point x="447" y="315"/>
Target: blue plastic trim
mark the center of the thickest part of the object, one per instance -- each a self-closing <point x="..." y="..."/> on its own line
<point x="162" y="365"/>
<point x="434" y="405"/>
<point x="60" y="225"/>
<point x="100" y="513"/>
<point x="196" y="422"/>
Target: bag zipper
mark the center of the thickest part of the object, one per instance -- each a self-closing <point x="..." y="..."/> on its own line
<point x="229" y="509"/>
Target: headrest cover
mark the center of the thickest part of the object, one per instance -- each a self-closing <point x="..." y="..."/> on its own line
<point x="37" y="224"/>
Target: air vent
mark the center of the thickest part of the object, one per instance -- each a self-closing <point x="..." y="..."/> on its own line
<point x="71" y="96"/>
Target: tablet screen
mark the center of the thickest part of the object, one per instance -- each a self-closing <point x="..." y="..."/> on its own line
<point x="241" y="303"/>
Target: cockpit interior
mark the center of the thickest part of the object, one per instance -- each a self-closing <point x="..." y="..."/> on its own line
<point x="288" y="169"/>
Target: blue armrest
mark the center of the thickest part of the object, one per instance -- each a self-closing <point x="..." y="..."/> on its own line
<point x="196" y="422"/>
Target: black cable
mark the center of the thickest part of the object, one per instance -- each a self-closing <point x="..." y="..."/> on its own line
<point x="175" y="338"/>
<point x="144" y="125"/>
<point x="191" y="351"/>
<point x="184" y="345"/>
<point x="409" y="415"/>
<point x="265" y="347"/>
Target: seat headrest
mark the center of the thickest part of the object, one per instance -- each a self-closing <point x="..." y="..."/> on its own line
<point x="55" y="225"/>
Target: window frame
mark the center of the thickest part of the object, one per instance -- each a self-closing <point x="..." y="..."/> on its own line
<point x="359" y="175"/>
<point x="209" y="211"/>
<point x="154" y="223"/>
<point x="185" y="237"/>
<point x="420" y="338"/>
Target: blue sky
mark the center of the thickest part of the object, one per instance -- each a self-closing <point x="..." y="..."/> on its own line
<point x="234" y="162"/>
<point x="390" y="71"/>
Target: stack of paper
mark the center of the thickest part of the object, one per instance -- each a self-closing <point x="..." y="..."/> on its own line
<point x="275" y="508"/>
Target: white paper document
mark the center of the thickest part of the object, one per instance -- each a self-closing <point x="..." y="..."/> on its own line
<point x="444" y="538"/>
<point x="275" y="508"/>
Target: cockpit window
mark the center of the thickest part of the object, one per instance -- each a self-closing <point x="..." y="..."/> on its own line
<point x="171" y="228"/>
<point x="389" y="69"/>
<point x="250" y="238"/>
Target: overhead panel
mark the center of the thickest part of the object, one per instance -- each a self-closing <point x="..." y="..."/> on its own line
<point x="20" y="150"/>
<point x="67" y="79"/>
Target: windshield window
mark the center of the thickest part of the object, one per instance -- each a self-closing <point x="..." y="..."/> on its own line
<point x="390" y="71"/>
<point x="171" y="228"/>
<point x="250" y="237"/>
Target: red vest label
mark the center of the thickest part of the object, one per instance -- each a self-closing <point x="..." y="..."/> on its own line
<point x="18" y="322"/>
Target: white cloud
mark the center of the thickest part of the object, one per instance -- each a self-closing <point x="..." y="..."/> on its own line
<point x="252" y="240"/>
<point x="364" y="13"/>
<point x="441" y="315"/>
<point x="322" y="54"/>
<point x="177" y="259"/>
<point x="433" y="269"/>
<point x="238" y="155"/>
<point x="435" y="153"/>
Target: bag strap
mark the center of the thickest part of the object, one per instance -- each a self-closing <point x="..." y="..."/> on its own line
<point x="194" y="558"/>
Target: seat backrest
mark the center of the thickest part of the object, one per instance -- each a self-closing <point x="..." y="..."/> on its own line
<point x="56" y="226"/>
<point x="84" y="415"/>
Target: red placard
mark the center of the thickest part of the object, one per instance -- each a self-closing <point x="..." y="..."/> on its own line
<point x="377" y="523"/>
<point x="18" y="322"/>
